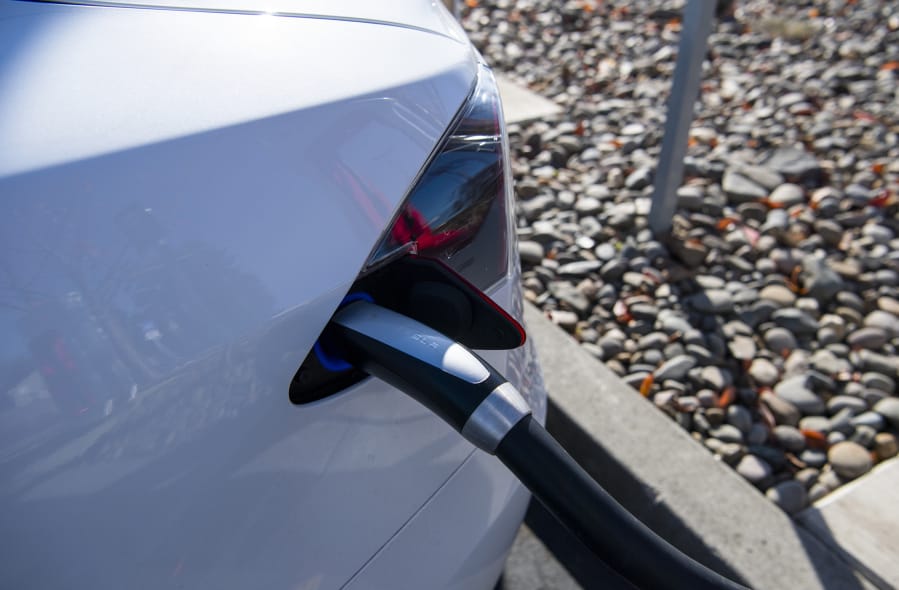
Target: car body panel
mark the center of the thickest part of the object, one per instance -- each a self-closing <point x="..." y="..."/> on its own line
<point x="454" y="543"/>
<point x="82" y="81"/>
<point x="169" y="258"/>
<point x="425" y="15"/>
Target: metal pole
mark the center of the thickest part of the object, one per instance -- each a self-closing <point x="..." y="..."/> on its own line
<point x="695" y="28"/>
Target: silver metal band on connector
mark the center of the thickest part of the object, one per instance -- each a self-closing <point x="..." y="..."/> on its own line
<point x="495" y="417"/>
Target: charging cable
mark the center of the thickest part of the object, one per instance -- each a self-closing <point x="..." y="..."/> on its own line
<point x="478" y="402"/>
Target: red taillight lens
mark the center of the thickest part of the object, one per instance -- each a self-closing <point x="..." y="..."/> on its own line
<point x="457" y="211"/>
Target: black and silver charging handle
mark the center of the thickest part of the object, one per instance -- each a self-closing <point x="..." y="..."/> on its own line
<point x="477" y="401"/>
<point x="446" y="377"/>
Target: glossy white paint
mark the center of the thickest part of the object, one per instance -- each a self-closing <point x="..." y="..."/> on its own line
<point x="455" y="543"/>
<point x="427" y="15"/>
<point x="79" y="82"/>
<point x="187" y="196"/>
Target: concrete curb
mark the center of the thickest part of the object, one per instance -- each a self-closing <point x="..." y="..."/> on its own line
<point x="521" y="105"/>
<point x="866" y="538"/>
<point x="668" y="481"/>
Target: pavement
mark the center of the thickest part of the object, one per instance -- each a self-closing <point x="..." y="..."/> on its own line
<point x="676" y="487"/>
<point x="860" y="522"/>
<point x="521" y="105"/>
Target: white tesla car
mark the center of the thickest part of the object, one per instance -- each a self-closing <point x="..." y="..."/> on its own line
<point x="189" y="190"/>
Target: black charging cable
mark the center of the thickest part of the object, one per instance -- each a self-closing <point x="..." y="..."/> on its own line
<point x="477" y="401"/>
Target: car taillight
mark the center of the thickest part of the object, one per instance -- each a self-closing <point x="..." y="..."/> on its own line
<point x="448" y="243"/>
<point x="457" y="211"/>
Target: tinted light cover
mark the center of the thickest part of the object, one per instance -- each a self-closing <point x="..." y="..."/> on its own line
<point x="457" y="211"/>
<point x="448" y="243"/>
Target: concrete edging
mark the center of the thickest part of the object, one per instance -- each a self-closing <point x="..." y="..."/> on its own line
<point x="659" y="473"/>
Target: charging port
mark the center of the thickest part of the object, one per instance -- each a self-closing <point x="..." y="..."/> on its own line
<point x="425" y="290"/>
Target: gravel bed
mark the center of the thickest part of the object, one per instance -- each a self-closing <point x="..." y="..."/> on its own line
<point x="768" y="324"/>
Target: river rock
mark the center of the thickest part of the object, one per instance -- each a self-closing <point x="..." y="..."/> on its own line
<point x="849" y="459"/>
<point x="754" y="469"/>
<point x="796" y="391"/>
<point x="789" y="495"/>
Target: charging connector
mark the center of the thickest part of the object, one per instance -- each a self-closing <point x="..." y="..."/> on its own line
<point x="475" y="399"/>
<point x="442" y="374"/>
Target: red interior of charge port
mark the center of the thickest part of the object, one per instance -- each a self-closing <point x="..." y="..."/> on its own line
<point x="396" y="285"/>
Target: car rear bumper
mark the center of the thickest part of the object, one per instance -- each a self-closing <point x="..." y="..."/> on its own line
<point x="459" y="539"/>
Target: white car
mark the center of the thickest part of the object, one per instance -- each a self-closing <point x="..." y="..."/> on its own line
<point x="189" y="190"/>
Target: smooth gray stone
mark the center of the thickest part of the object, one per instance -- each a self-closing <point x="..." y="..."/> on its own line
<point x="789" y="495"/>
<point x="795" y="321"/>
<point x="758" y="434"/>
<point x="727" y="433"/>
<point x="842" y="422"/>
<point x="764" y="176"/>
<point x="613" y="269"/>
<point x="807" y="477"/>
<point x="605" y="251"/>
<point x="754" y="469"/>
<point x="872" y="419"/>
<point x="779" y="294"/>
<point x="883" y="320"/>
<point x="813" y="457"/>
<point x="854" y="404"/>
<point x="784" y="411"/>
<point x="763" y="371"/>
<point x="789" y="438"/>
<point x="871" y="338"/>
<point x="742" y="348"/>
<point x="711" y="301"/>
<point x="776" y="222"/>
<point x="691" y="198"/>
<point x="835" y="437"/>
<point x="889" y="409"/>
<point x="795" y="391"/>
<point x="565" y="319"/>
<point x="775" y="457"/>
<point x="742" y="189"/>
<point x="657" y="340"/>
<point x="820" y="281"/>
<point x="675" y="368"/>
<point x="787" y="195"/>
<point x="879" y="363"/>
<point x="670" y="322"/>
<point x="779" y="340"/>
<point x="639" y="178"/>
<point x="864" y="435"/>
<point x="716" y="378"/>
<point x="530" y="252"/>
<point x="611" y="345"/>
<point x="739" y="417"/>
<point x="849" y="460"/>
<point x="817" y="423"/>
<point x="579" y="269"/>
<point x="879" y="233"/>
<point x="828" y="363"/>
<point x="793" y="163"/>
<point x="587" y="206"/>
<point x="634" y="380"/>
<point x="571" y="296"/>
